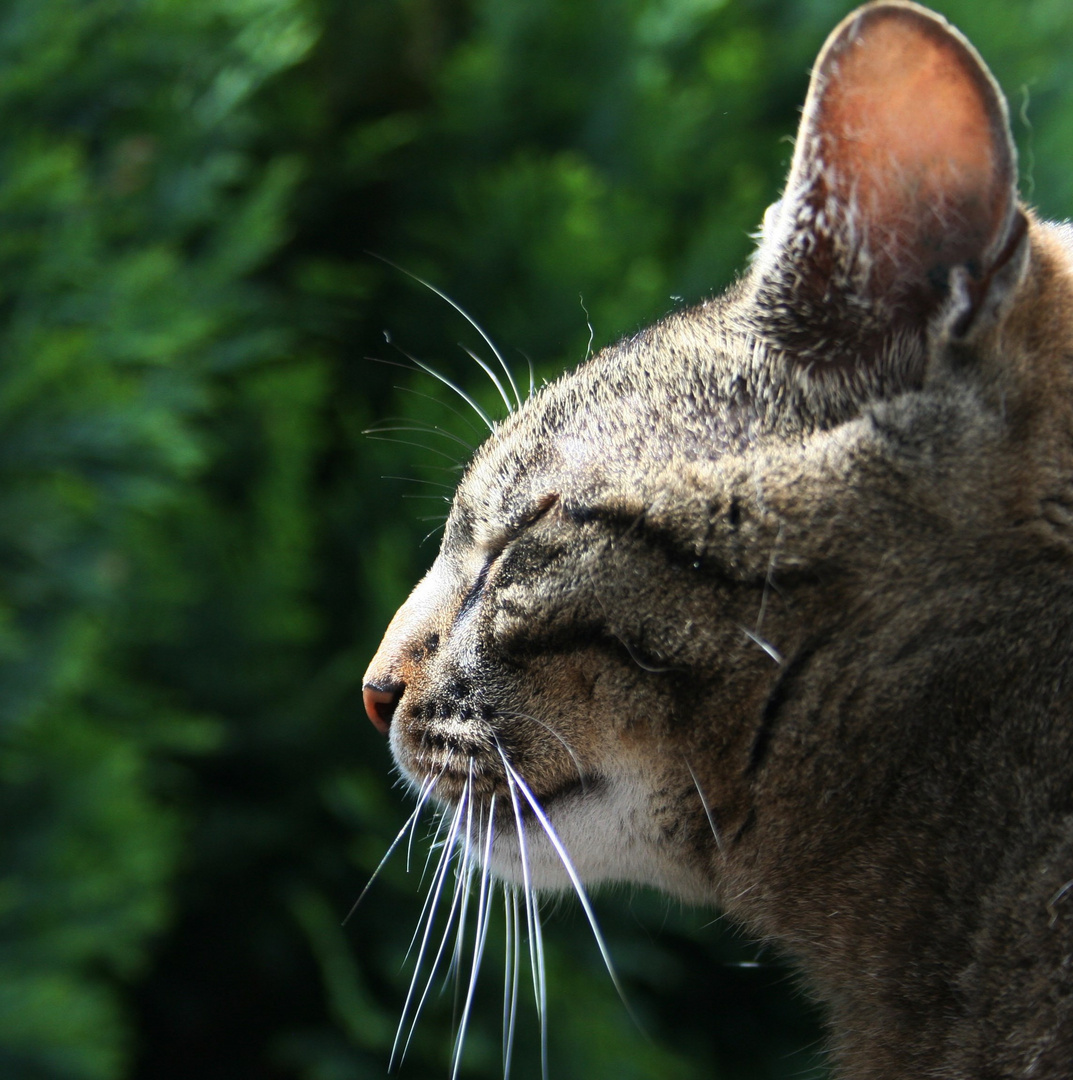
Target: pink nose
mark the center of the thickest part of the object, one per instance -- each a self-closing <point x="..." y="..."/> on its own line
<point x="380" y="702"/>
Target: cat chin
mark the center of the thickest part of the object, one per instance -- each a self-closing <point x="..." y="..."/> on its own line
<point x="602" y="831"/>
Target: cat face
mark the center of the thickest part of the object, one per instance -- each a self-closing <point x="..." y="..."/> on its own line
<point x="531" y="666"/>
<point x="755" y="605"/>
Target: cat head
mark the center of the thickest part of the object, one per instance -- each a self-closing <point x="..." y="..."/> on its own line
<point x="725" y="512"/>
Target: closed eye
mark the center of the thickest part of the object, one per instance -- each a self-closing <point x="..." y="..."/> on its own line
<point x="477" y="587"/>
<point x="532" y="517"/>
<point x="515" y="530"/>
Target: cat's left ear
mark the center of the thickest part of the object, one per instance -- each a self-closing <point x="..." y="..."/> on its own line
<point x="901" y="207"/>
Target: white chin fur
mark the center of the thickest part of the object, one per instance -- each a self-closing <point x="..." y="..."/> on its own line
<point x="607" y="835"/>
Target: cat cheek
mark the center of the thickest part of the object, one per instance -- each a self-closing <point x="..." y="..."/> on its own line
<point x="510" y="626"/>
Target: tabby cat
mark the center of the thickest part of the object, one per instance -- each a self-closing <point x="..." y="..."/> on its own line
<point x="771" y="604"/>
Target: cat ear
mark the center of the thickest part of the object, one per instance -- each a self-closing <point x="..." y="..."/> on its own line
<point x="901" y="205"/>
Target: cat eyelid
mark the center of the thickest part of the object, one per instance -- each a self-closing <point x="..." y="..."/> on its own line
<point x="539" y="510"/>
<point x="518" y="526"/>
<point x="543" y="505"/>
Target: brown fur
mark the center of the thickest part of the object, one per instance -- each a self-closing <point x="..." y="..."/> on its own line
<point x="804" y="554"/>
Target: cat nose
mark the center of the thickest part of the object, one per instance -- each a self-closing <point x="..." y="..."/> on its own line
<point x="380" y="701"/>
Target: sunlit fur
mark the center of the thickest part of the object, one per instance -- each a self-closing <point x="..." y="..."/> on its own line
<point x="769" y="605"/>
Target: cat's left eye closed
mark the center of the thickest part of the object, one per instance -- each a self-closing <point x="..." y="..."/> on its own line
<point x="526" y="521"/>
<point x="542" y="506"/>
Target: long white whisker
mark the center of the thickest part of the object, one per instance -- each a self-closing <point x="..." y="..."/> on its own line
<point x="410" y="442"/>
<point x="431" y="904"/>
<point x="432" y="899"/>
<point x="527" y="887"/>
<point x="422" y="797"/>
<point x="453" y="915"/>
<point x="508" y="958"/>
<point x="491" y="375"/>
<point x="426" y="429"/>
<point x="542" y="989"/>
<point x="480" y="935"/>
<point x="418" y="480"/>
<point x="409" y="827"/>
<point x="510" y="975"/>
<point x="468" y="399"/>
<point x="430" y="370"/>
<point x="571" y="873"/>
<point x="462" y="882"/>
<point x="469" y="318"/>
<point x="765" y="645"/>
<point x="456" y="913"/>
<point x="532" y="919"/>
<point x="440" y="821"/>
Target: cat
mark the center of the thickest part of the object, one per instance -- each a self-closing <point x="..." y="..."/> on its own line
<point x="770" y="604"/>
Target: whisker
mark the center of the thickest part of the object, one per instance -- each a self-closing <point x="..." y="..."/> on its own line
<point x="443" y="404"/>
<point x="410" y="442"/>
<point x="707" y="808"/>
<point x="427" y="429"/>
<point x="462" y="881"/>
<point x="450" y="384"/>
<point x="465" y="315"/>
<point x="454" y="914"/>
<point x="532" y="919"/>
<point x="432" y="897"/>
<point x="765" y="645"/>
<point x="575" y="881"/>
<point x="551" y="731"/>
<point x="431" y="904"/>
<point x="441" y="819"/>
<point x="510" y="974"/>
<point x="491" y="375"/>
<point x="480" y="933"/>
<point x="542" y="1002"/>
<point x="418" y="480"/>
<point x="769" y="579"/>
<point x="408" y="827"/>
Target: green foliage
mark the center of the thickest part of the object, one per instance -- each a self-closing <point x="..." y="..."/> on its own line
<point x="199" y="548"/>
<point x="132" y="211"/>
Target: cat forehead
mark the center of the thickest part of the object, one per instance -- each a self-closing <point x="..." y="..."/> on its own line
<point x="678" y="392"/>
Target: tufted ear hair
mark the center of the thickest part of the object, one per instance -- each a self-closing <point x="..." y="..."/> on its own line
<point x="901" y="205"/>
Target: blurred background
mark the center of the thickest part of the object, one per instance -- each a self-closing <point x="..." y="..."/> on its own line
<point x="199" y="547"/>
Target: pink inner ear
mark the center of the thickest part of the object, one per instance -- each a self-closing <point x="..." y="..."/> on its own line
<point x="905" y="111"/>
<point x="905" y="117"/>
<point x="907" y="131"/>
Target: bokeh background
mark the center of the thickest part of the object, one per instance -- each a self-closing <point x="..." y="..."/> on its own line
<point x="199" y="547"/>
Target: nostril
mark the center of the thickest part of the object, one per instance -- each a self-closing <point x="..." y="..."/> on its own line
<point x="380" y="701"/>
